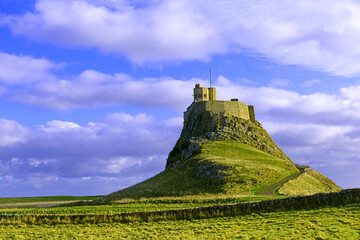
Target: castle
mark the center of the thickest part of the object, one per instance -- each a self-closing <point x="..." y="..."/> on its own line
<point x="205" y="100"/>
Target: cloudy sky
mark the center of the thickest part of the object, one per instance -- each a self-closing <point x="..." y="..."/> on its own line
<point x="92" y="92"/>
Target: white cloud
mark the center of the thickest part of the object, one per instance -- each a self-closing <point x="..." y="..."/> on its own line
<point x="60" y="126"/>
<point x="278" y="82"/>
<point x="124" y="118"/>
<point x="168" y="30"/>
<point x="310" y="83"/>
<point x="343" y="106"/>
<point x="321" y="35"/>
<point x="93" y="89"/>
<point x="24" y="69"/>
<point x="37" y="85"/>
<point x="11" y="133"/>
<point x="33" y="162"/>
<point x="107" y="148"/>
<point x="306" y="134"/>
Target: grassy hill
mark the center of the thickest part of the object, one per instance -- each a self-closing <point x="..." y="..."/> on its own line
<point x="216" y="168"/>
<point x="220" y="154"/>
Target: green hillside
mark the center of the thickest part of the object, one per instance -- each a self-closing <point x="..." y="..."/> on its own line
<point x="307" y="184"/>
<point x="216" y="168"/>
<point x="220" y="154"/>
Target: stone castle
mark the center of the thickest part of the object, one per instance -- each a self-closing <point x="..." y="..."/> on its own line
<point x="205" y="100"/>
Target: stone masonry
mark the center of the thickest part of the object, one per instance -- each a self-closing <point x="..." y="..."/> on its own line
<point x="205" y="100"/>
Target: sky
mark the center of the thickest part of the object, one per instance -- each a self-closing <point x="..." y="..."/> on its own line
<point x="92" y="92"/>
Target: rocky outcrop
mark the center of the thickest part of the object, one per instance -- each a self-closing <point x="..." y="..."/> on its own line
<point x="202" y="127"/>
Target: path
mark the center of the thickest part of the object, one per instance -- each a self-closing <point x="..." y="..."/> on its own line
<point x="270" y="189"/>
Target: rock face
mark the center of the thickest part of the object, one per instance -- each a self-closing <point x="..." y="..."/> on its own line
<point x="201" y="127"/>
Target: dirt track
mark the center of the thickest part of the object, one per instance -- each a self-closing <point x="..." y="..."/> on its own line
<point x="270" y="189"/>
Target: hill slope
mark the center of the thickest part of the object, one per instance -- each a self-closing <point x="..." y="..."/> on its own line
<point x="217" y="167"/>
<point x="307" y="184"/>
<point x="218" y="154"/>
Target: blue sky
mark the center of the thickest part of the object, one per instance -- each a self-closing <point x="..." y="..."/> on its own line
<point x="92" y="92"/>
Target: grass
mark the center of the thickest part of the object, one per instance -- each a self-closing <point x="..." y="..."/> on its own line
<point x="321" y="216"/>
<point x="308" y="183"/>
<point x="250" y="169"/>
<point x="46" y="199"/>
<point x="219" y="167"/>
<point x="130" y="205"/>
<point x="325" y="223"/>
<point x="156" y="211"/>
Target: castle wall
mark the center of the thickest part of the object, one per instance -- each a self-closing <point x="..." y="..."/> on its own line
<point x="238" y="109"/>
<point x="252" y="113"/>
<point x="230" y="108"/>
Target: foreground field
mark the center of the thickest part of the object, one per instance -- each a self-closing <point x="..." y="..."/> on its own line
<point x="139" y="205"/>
<point x="41" y="202"/>
<point x="45" y="199"/>
<point x="325" y="223"/>
<point x="322" y="216"/>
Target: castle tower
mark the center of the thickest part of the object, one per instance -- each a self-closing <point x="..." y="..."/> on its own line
<point x="204" y="94"/>
<point x="212" y="93"/>
<point x="200" y="93"/>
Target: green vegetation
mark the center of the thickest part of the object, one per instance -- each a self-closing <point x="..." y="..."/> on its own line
<point x="226" y="167"/>
<point x="294" y="203"/>
<point x="320" y="216"/>
<point x="46" y="199"/>
<point x="99" y="210"/>
<point x="340" y="222"/>
<point x="128" y="205"/>
<point x="218" y="154"/>
<point x="308" y="183"/>
<point x="249" y="168"/>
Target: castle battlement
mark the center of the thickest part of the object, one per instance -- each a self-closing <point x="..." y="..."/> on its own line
<point x="203" y="103"/>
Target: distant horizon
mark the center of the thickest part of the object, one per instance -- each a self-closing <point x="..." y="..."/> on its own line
<point x="93" y="93"/>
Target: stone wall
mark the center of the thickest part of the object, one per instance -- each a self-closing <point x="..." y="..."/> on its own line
<point x="252" y="113"/>
<point x="229" y="108"/>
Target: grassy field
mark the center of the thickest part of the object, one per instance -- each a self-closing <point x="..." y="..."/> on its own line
<point x="129" y="205"/>
<point x="324" y="223"/>
<point x="322" y="216"/>
<point x="46" y="199"/>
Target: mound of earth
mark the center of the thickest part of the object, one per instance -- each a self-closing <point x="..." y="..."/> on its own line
<point x="220" y="154"/>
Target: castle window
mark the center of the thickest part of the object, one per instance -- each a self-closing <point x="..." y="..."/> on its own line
<point x="204" y="95"/>
<point x="200" y="96"/>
